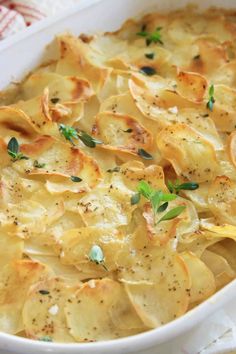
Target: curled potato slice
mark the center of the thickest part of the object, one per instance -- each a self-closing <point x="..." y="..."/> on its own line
<point x="15" y="122"/>
<point x="184" y="148"/>
<point x="202" y="279"/>
<point x="65" y="89"/>
<point x="43" y="311"/>
<point x="191" y="86"/>
<point x="158" y="287"/>
<point x="59" y="159"/>
<point x="221" y="199"/>
<point x="186" y="223"/>
<point x="101" y="310"/>
<point x="122" y="132"/>
<point x="13" y="296"/>
<point x="78" y="59"/>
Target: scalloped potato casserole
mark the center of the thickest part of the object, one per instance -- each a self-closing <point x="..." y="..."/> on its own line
<point x="118" y="179"/>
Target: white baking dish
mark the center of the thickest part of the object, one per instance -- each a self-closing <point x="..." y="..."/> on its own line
<point x="20" y="54"/>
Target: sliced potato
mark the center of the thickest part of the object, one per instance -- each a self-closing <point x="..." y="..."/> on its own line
<point x="202" y="279"/>
<point x="101" y="310"/>
<point x="13" y="296"/>
<point x="221" y="199"/>
<point x="43" y="311"/>
<point x="184" y="148"/>
<point x="158" y="287"/>
<point x="220" y="268"/>
<point x="122" y="133"/>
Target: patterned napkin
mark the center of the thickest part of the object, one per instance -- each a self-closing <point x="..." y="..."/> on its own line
<point x="17" y="15"/>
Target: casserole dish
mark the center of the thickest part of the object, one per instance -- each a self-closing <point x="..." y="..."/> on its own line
<point x="42" y="34"/>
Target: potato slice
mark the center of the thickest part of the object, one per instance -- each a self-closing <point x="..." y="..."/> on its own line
<point x="106" y="206"/>
<point x="14" y="122"/>
<point x="11" y="248"/>
<point x="182" y="226"/>
<point x="101" y="310"/>
<point x="122" y="133"/>
<point x="13" y="296"/>
<point x="158" y="286"/>
<point x="221" y="199"/>
<point x="191" y="86"/>
<point x="220" y="268"/>
<point x="43" y="311"/>
<point x="75" y="245"/>
<point x="66" y="89"/>
<point x="184" y="148"/>
<point x="60" y="160"/>
<point x="78" y="59"/>
<point x="202" y="279"/>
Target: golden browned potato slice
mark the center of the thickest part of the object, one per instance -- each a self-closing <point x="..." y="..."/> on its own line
<point x="16" y="279"/>
<point x="59" y="159"/>
<point x="122" y="133"/>
<point x="221" y="199"/>
<point x="158" y="286"/>
<point x="63" y="89"/>
<point x="78" y="59"/>
<point x="202" y="279"/>
<point x="184" y="148"/>
<point x="182" y="226"/>
<point x="191" y="86"/>
<point x="14" y="122"/>
<point x="43" y="311"/>
<point x="101" y="310"/>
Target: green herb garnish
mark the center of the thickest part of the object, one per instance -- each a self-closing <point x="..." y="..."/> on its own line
<point x="70" y="134"/>
<point x="13" y="150"/>
<point x="210" y="103"/>
<point x="96" y="255"/>
<point x="128" y="130"/>
<point x="150" y="56"/>
<point x="153" y="37"/>
<point x="55" y="100"/>
<point x="158" y="200"/>
<point x="172" y="214"/>
<point x="144" y="154"/>
<point x="176" y="187"/>
<point x="197" y="57"/>
<point x="135" y="199"/>
<point x="76" y="179"/>
<point x="88" y="140"/>
<point x="36" y="164"/>
<point x="46" y="339"/>
<point x="44" y="292"/>
<point x="148" y="70"/>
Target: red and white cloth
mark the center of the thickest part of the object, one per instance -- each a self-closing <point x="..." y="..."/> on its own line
<point x="17" y="15"/>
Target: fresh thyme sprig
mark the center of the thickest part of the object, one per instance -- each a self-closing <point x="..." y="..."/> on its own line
<point x="96" y="255"/>
<point x="158" y="200"/>
<point x="176" y="187"/>
<point x="72" y="134"/>
<point x="153" y="37"/>
<point x="211" y="102"/>
<point x="13" y="149"/>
